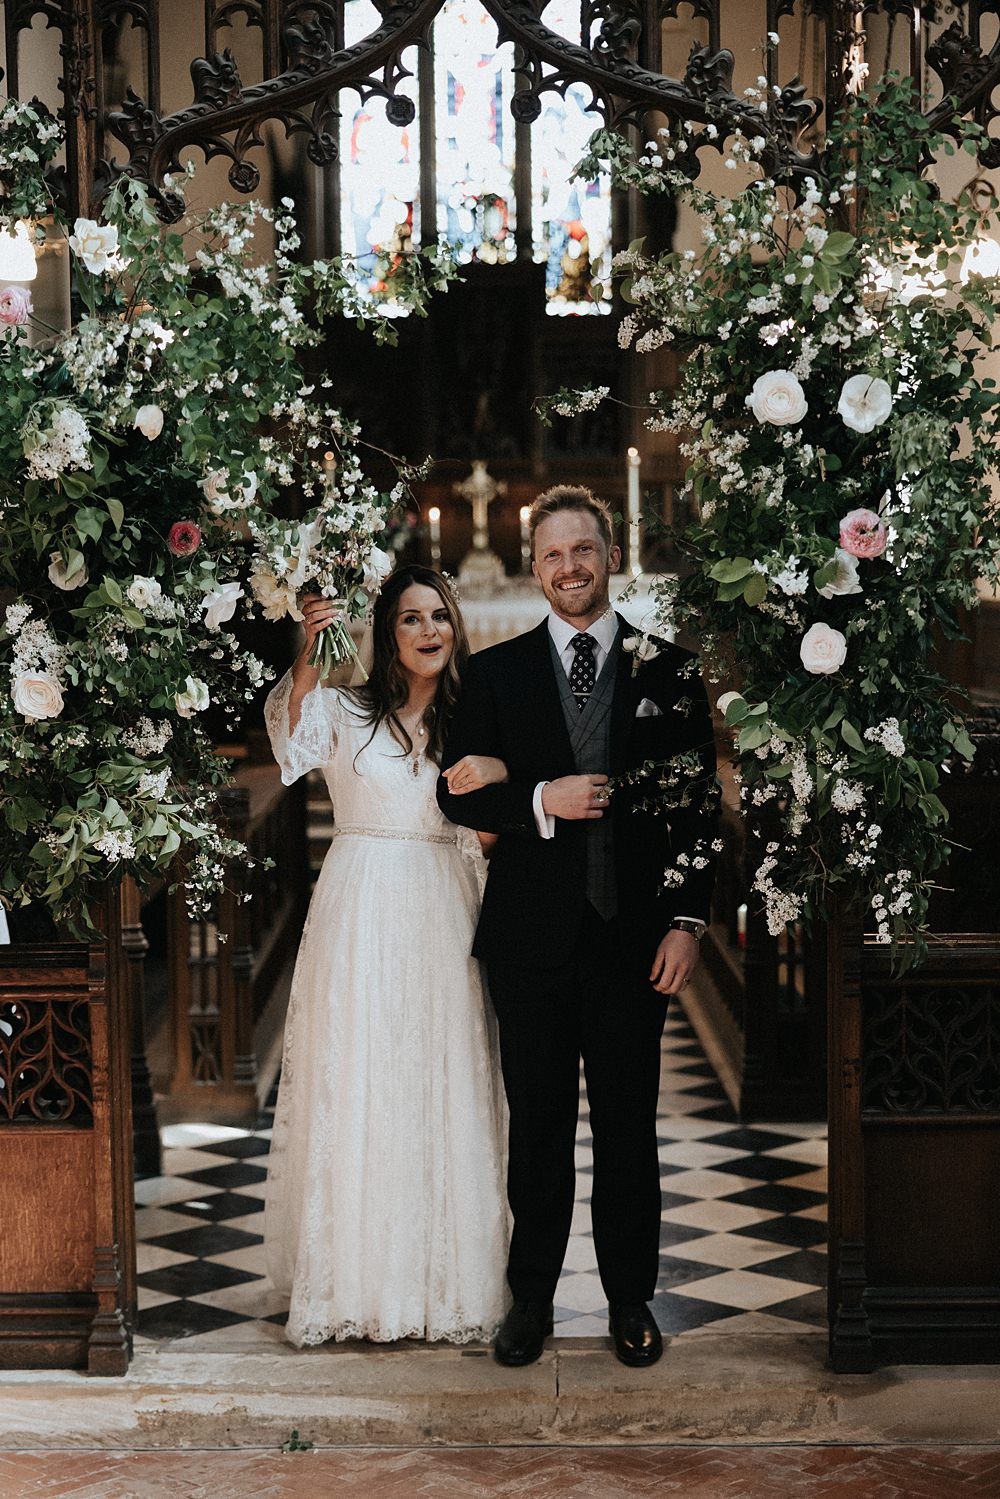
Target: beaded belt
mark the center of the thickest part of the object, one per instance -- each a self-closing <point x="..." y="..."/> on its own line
<point x="397" y="835"/>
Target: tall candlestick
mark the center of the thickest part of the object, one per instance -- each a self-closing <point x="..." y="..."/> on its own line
<point x="524" y="512"/>
<point x="633" y="511"/>
<point x="434" y="516"/>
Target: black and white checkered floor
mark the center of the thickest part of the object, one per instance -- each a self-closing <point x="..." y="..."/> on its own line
<point x="742" y="1242"/>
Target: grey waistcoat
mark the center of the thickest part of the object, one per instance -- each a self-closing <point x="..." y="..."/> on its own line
<point x="590" y="737"/>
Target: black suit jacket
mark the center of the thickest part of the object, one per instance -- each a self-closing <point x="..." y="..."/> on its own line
<point x="534" y="903"/>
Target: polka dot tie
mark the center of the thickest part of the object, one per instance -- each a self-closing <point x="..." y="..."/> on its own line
<point x="583" y="672"/>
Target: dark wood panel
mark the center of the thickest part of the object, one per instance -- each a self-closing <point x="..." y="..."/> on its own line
<point x="47" y="1241"/>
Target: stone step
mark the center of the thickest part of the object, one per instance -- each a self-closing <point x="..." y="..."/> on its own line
<point x="751" y="1389"/>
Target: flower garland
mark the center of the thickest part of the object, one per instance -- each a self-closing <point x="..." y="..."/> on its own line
<point x="840" y="437"/>
<point x="142" y="454"/>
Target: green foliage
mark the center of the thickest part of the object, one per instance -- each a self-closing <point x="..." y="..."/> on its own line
<point x="788" y="300"/>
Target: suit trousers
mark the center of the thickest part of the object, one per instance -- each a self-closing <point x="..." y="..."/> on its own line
<point x="600" y="1006"/>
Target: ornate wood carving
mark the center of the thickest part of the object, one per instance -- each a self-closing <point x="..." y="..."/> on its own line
<point x="932" y="1048"/>
<point x="46" y="1066"/>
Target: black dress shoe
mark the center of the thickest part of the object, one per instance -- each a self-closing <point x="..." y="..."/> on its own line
<point x="523" y="1333"/>
<point x="637" y="1337"/>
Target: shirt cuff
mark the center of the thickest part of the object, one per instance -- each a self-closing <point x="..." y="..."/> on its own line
<point x="680" y="917"/>
<point x="544" y="821"/>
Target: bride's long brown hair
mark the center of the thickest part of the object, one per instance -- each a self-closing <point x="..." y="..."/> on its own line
<point x="387" y="689"/>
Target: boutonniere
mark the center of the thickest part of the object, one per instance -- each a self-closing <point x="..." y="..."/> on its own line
<point x="642" y="647"/>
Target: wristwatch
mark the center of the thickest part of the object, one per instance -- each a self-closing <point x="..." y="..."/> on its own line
<point x="696" y="928"/>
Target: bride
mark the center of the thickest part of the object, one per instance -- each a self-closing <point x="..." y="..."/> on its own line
<point x="386" y="1213"/>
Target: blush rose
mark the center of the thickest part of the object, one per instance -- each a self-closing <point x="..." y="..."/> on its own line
<point x="863" y="534"/>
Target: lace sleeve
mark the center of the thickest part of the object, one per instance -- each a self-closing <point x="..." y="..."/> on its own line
<point x="315" y="738"/>
<point x="472" y="852"/>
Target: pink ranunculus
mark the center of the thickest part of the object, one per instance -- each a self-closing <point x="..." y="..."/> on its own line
<point x="15" y="306"/>
<point x="863" y="533"/>
<point x="184" y="538"/>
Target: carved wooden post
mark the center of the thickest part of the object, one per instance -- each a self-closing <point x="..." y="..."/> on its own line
<point x="851" y="1348"/>
<point x="146" y="1134"/>
<point x="80" y="102"/>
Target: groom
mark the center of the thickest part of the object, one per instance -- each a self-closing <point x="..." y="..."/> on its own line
<point x="582" y="939"/>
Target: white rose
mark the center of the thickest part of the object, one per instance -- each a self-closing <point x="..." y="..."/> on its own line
<point x="220" y="605"/>
<point x="823" y="650"/>
<point x="724" y="701"/>
<point x="37" y="694"/>
<point x="215" y="489"/>
<point x="778" y="398"/>
<point x="149" y="420"/>
<point x="193" y="697"/>
<point x="275" y="599"/>
<point x="865" y="402"/>
<point x="57" y="574"/>
<point x="144" y="592"/>
<point x="846" y="580"/>
<point x="307" y="539"/>
<point x="377" y="568"/>
<point x="96" y="245"/>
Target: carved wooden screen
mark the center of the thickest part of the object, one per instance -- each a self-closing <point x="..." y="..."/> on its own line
<point x="951" y="45"/>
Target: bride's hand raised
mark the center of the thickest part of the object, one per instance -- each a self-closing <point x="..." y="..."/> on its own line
<point x="473" y="772"/>
<point x="317" y="613"/>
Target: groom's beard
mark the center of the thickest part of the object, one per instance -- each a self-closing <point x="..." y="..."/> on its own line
<point x="574" y="602"/>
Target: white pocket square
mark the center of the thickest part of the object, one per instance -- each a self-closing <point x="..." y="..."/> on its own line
<point x="648" y="709"/>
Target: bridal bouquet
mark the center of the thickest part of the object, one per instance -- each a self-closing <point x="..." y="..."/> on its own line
<point x="840" y="433"/>
<point x="335" y="551"/>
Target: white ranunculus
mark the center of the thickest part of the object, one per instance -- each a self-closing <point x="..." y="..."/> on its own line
<point x="846" y="580"/>
<point x="192" y="698"/>
<point x="57" y="574"/>
<point x="823" y="650"/>
<point x="724" y="701"/>
<point x="642" y="647"/>
<point x="144" y="592"/>
<point x="220" y="605"/>
<point x="96" y="245"/>
<point x="149" y="420"/>
<point x="778" y="398"/>
<point x="37" y="694"/>
<point x="275" y="599"/>
<point x="377" y="569"/>
<point x="865" y="402"/>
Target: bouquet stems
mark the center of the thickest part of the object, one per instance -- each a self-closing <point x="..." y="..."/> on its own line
<point x="332" y="646"/>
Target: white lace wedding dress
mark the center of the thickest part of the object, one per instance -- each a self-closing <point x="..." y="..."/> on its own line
<point x="386" y="1214"/>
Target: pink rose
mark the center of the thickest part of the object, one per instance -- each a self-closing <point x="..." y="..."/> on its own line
<point x="15" y="306"/>
<point x="184" y="538"/>
<point x="863" y="534"/>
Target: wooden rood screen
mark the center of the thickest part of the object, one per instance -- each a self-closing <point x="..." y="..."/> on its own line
<point x="641" y="59"/>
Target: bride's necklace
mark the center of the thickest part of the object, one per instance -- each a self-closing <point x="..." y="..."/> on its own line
<point x="417" y="731"/>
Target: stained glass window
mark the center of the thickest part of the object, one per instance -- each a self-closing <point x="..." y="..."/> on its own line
<point x="571" y="220"/>
<point x="474" y="151"/>
<point x="474" y="138"/>
<point x="380" y="173"/>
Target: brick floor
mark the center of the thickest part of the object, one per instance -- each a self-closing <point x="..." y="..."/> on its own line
<point x="482" y="1473"/>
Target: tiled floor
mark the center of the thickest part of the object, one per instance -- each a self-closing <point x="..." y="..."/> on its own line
<point x="488" y="1473"/>
<point x="742" y="1240"/>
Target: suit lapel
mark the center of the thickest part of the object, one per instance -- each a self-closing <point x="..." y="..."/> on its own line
<point x="541" y="689"/>
<point x="624" y="704"/>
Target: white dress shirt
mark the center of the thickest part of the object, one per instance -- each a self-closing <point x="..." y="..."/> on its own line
<point x="602" y="632"/>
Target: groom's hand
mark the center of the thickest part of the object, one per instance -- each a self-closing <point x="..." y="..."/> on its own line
<point x="576" y="797"/>
<point x="675" y="961"/>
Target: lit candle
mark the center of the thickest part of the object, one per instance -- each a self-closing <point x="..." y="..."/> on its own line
<point x="329" y="464"/>
<point x="524" y="512"/>
<point x="633" y="511"/>
<point x="741" y="926"/>
<point x="434" y="516"/>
